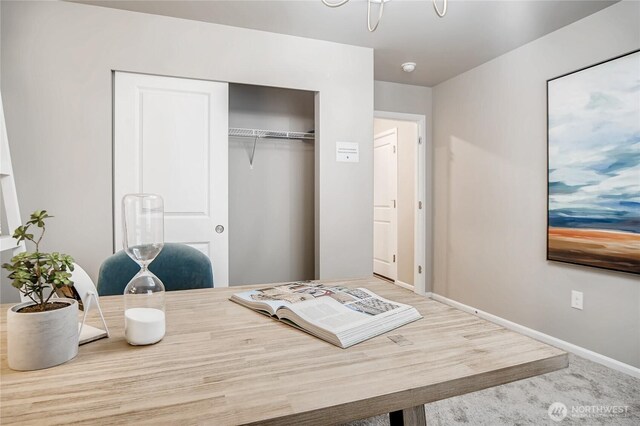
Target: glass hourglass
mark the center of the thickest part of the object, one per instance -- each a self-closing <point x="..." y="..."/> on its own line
<point x="143" y="222"/>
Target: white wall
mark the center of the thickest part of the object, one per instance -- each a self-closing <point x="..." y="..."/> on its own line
<point x="490" y="193"/>
<point x="271" y="206"/>
<point x="406" y="206"/>
<point x="6" y="291"/>
<point x="57" y="59"/>
<point x="408" y="99"/>
<point x="396" y="97"/>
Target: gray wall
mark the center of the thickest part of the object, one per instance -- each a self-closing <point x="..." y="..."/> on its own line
<point x="408" y="99"/>
<point x="271" y="206"/>
<point x="490" y="193"/>
<point x="57" y="59"/>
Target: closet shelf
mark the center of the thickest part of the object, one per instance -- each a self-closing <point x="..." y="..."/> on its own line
<point x="269" y="134"/>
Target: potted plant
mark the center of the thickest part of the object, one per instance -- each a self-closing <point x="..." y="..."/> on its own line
<point x="43" y="331"/>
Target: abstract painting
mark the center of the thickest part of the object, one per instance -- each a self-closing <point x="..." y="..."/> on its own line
<point x="594" y="165"/>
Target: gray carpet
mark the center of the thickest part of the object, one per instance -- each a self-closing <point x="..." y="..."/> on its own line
<point x="583" y="383"/>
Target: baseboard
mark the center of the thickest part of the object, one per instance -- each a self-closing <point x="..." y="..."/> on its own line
<point x="404" y="285"/>
<point x="545" y="338"/>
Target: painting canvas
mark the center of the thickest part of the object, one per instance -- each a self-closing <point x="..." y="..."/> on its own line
<point x="594" y="165"/>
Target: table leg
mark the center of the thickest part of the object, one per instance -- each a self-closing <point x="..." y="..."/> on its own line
<point x="414" y="416"/>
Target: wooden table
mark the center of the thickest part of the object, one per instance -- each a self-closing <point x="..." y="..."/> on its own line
<point x="221" y="363"/>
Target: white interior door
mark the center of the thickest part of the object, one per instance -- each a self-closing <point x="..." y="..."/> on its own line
<point x="385" y="190"/>
<point x="170" y="138"/>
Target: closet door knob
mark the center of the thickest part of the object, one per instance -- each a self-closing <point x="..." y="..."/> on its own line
<point x="219" y="229"/>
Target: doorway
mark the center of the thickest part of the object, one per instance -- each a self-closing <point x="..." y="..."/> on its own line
<point x="399" y="200"/>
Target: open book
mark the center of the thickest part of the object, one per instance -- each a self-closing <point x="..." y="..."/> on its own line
<point x="340" y="315"/>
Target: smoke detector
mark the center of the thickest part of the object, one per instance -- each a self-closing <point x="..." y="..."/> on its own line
<point x="408" y="66"/>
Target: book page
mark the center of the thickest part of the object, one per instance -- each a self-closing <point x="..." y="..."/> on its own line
<point x="255" y="300"/>
<point x="369" y="303"/>
<point x="273" y="298"/>
<point x="328" y="314"/>
<point x="336" y="308"/>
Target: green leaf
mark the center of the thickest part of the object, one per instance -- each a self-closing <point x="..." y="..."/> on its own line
<point x="32" y="272"/>
<point x="37" y="218"/>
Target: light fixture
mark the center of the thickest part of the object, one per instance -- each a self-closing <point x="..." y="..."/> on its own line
<point x="381" y="10"/>
<point x="408" y="66"/>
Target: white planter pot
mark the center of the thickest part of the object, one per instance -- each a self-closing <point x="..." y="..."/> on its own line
<point x="42" y="339"/>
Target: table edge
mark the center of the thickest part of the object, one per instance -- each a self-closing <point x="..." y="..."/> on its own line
<point x="408" y="398"/>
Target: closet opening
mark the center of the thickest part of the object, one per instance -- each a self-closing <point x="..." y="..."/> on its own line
<point x="271" y="184"/>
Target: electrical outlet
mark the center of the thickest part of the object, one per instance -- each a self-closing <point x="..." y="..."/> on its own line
<point x="576" y="299"/>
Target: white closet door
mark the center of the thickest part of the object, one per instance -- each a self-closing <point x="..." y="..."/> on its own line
<point x="170" y="138"/>
<point x="385" y="188"/>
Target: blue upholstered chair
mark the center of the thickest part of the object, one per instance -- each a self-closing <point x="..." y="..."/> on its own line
<point x="179" y="267"/>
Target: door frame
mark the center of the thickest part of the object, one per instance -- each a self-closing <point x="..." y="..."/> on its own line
<point x="423" y="251"/>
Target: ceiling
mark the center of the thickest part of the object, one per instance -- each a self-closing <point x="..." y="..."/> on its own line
<point x="472" y="32"/>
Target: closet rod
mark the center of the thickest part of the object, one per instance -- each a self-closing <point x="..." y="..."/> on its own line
<point x="256" y="134"/>
<point x="269" y="134"/>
